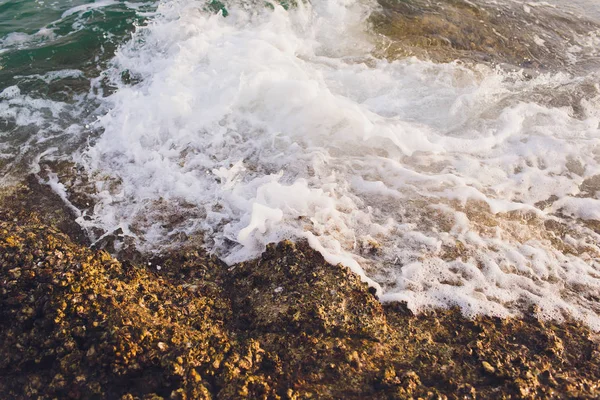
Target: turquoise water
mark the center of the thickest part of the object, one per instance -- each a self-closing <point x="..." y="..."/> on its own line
<point x="53" y="51"/>
<point x="37" y="37"/>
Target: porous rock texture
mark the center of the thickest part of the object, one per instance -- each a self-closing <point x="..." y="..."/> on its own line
<point x="76" y="323"/>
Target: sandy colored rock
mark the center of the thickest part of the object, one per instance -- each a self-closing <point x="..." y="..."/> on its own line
<point x="477" y="31"/>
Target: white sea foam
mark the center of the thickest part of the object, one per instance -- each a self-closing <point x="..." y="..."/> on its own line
<point x="87" y="7"/>
<point x="19" y="39"/>
<point x="425" y="179"/>
<point x="52" y="76"/>
<point x="30" y="125"/>
<point x="25" y="110"/>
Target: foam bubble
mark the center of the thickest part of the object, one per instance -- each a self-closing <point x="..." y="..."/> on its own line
<point x="428" y="180"/>
<point x="20" y="39"/>
<point x="87" y="7"/>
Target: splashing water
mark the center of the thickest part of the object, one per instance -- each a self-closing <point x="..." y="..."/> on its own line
<point x="441" y="184"/>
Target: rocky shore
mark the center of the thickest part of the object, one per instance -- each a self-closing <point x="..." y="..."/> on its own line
<point x="495" y="33"/>
<point x="77" y="323"/>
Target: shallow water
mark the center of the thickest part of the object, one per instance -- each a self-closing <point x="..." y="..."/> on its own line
<point x="416" y="142"/>
<point x="49" y="53"/>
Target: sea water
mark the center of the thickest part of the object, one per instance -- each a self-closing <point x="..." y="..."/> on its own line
<point x="463" y="182"/>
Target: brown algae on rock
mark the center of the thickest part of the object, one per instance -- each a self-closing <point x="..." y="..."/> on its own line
<point x="77" y="323"/>
<point x="532" y="36"/>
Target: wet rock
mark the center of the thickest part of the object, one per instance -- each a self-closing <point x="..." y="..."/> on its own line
<point x="488" y="367"/>
<point x="531" y="37"/>
<point x="34" y="199"/>
<point x="78" y="323"/>
<point x="291" y="289"/>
